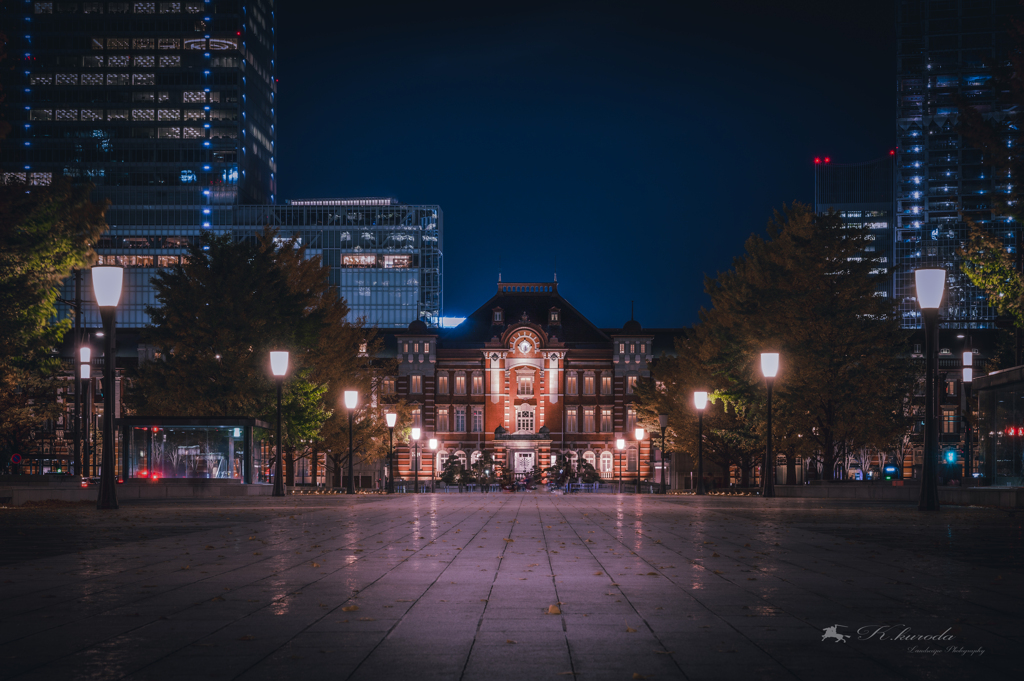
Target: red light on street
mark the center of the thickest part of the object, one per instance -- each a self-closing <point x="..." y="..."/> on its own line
<point x="817" y="160"/>
<point x="892" y="153"/>
<point x="827" y="159"/>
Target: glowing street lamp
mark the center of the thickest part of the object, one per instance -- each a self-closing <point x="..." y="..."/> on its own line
<point x="392" y="419"/>
<point x="279" y="367"/>
<point x="700" y="400"/>
<point x="415" y="435"/>
<point x="931" y="284"/>
<point x="968" y="378"/>
<point x="84" y="374"/>
<point x="351" y="400"/>
<point x="106" y="286"/>
<point x="770" y="368"/>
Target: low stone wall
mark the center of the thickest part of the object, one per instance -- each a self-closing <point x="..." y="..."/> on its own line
<point x="1001" y="497"/>
<point x="17" y="493"/>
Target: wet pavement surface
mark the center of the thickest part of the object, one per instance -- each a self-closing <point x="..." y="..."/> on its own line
<point x="516" y="586"/>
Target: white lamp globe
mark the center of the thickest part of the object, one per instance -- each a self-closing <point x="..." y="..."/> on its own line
<point x="392" y="419"/>
<point x="769" y="364"/>
<point x="106" y="285"/>
<point x="930" y="285"/>
<point x="700" y="400"/>
<point x="279" y="362"/>
<point x="351" y="399"/>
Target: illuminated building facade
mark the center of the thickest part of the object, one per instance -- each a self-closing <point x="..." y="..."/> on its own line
<point x="166" y="107"/>
<point x="862" y="194"/>
<point x="529" y="380"/>
<point x="945" y="51"/>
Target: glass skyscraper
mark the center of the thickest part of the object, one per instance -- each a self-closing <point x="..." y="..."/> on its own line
<point x="947" y="50"/>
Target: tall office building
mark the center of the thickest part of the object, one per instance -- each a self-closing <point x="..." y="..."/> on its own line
<point x="167" y="107"/>
<point x="862" y="194"/>
<point x="947" y="49"/>
<point x="385" y="256"/>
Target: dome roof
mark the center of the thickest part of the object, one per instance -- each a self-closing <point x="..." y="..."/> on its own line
<point x="632" y="326"/>
<point x="417" y="326"/>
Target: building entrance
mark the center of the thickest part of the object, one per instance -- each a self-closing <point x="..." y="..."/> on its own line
<point x="523" y="464"/>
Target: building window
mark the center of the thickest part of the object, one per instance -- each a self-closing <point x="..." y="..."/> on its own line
<point x="426" y="347"/>
<point x="417" y="417"/>
<point x="622" y="348"/>
<point x="571" y="424"/>
<point x="525" y="385"/>
<point x="606" y="420"/>
<point x="478" y="419"/>
<point x="460" y="382"/>
<point x="630" y="419"/>
<point x="524" y="421"/>
<point x="588" y="420"/>
<point x="571" y="383"/>
<point x="949" y="421"/>
<point x="630" y="385"/>
<point x="588" y="384"/>
<point x="416" y="384"/>
<point x="631" y="460"/>
<point x="388" y="387"/>
<point x="553" y="317"/>
<point x="478" y="383"/>
<point x="606" y="464"/>
<point x="460" y="420"/>
<point x="497" y="316"/>
<point x="643" y="348"/>
<point x="415" y="347"/>
<point x="442" y="383"/>
<point x="606" y="384"/>
<point x="442" y="420"/>
<point x="632" y="348"/>
<point x="951" y="387"/>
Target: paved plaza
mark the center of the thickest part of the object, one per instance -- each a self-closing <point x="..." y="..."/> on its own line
<point x="510" y="586"/>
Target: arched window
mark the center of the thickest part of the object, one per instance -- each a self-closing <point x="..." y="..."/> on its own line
<point x="474" y="457"/>
<point x="461" y="456"/>
<point x="590" y="458"/>
<point x="442" y="459"/>
<point x="524" y="419"/>
<point x="606" y="464"/>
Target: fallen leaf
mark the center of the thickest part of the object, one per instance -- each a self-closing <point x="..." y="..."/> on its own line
<point x="216" y="598"/>
<point x="509" y="540"/>
<point x="554" y="610"/>
<point x="630" y="629"/>
<point x="509" y="641"/>
<point x="367" y="619"/>
<point x="316" y="564"/>
<point x="715" y="555"/>
<point x="598" y="573"/>
<point x="663" y="652"/>
<point x="247" y="637"/>
<point x="350" y="608"/>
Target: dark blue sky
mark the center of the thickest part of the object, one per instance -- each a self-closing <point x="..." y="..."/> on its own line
<point x="638" y="143"/>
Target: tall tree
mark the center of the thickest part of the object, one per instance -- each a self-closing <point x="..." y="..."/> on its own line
<point x="220" y="313"/>
<point x="45" y="232"/>
<point x="808" y="292"/>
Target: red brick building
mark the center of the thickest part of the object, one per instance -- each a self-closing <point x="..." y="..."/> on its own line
<point x="527" y="378"/>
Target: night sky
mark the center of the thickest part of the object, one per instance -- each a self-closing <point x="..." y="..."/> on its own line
<point x="639" y="143"/>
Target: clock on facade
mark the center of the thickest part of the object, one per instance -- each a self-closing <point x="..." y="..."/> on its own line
<point x="524" y="346"/>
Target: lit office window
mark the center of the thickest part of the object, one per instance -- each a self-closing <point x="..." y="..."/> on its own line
<point x="606" y="420"/>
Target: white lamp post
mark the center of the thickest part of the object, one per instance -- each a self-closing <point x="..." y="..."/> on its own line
<point x="279" y="367"/>
<point x="700" y="400"/>
<point x="392" y="419"/>
<point x="432" y="446"/>
<point x="106" y="286"/>
<point x="770" y="368"/>
<point x="663" y="423"/>
<point x="639" y="433"/>
<point x="415" y="434"/>
<point x="620" y="444"/>
<point x="84" y="374"/>
<point x="351" y="400"/>
<point x="968" y="378"/>
<point x="931" y="284"/>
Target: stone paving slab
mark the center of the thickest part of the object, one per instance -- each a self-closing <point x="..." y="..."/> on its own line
<point x="462" y="587"/>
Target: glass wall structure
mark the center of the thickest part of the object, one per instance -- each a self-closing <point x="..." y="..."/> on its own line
<point x="1001" y="434"/>
<point x="947" y="50"/>
<point x="862" y="194"/>
<point x="228" y="449"/>
<point x="385" y="256"/>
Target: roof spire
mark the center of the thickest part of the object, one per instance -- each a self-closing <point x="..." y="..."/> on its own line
<point x="631" y="310"/>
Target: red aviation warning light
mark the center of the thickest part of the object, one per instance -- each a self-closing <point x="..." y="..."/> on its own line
<point x="817" y="160"/>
